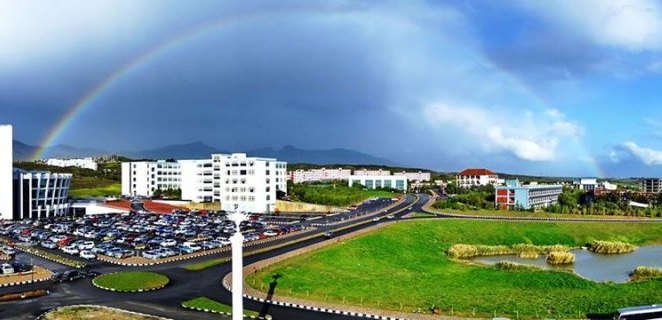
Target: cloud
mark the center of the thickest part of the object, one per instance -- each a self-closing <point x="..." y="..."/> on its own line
<point x="650" y="157"/>
<point x="634" y="25"/>
<point x="532" y="137"/>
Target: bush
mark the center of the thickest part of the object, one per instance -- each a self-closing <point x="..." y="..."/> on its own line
<point x="642" y="273"/>
<point x="131" y="280"/>
<point x="611" y="247"/>
<point x="560" y="257"/>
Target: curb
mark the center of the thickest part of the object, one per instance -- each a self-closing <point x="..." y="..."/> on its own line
<point x="312" y="308"/>
<point x="218" y="312"/>
<point x="41" y="316"/>
<point x="129" y="291"/>
<point x="43" y="256"/>
<point x="23" y="282"/>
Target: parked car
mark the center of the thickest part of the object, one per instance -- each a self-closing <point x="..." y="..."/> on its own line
<point x="270" y="233"/>
<point x="7" y="268"/>
<point x="152" y="254"/>
<point x="21" y="267"/>
<point x="70" y="250"/>
<point x="86" y="245"/>
<point x="48" y="244"/>
<point x="168" y="243"/>
<point x="86" y="254"/>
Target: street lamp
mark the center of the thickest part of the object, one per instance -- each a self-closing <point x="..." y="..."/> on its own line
<point x="237" y="241"/>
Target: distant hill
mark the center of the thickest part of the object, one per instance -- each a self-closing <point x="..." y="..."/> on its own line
<point x="193" y="150"/>
<point x="200" y="150"/>
<point x="24" y="151"/>
<point x="293" y="154"/>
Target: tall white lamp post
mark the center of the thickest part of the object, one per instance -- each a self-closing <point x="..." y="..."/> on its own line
<point x="237" y="241"/>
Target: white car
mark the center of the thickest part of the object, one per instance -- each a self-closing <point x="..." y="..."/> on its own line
<point x="168" y="243"/>
<point x="70" y="250"/>
<point x="194" y="246"/>
<point x="86" y="245"/>
<point x="270" y="233"/>
<point x="85" y="254"/>
<point x="152" y="254"/>
<point x="375" y="219"/>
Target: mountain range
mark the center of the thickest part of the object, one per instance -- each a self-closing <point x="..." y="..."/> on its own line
<point x="200" y="150"/>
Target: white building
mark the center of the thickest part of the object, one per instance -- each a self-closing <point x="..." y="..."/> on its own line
<point x="323" y="174"/>
<point x="383" y="181"/>
<point x="6" y="175"/>
<point x="366" y="172"/>
<point x="476" y="177"/>
<point x="586" y="184"/>
<point x="85" y="163"/>
<point x="40" y="194"/>
<point x="231" y="179"/>
<point x="415" y="176"/>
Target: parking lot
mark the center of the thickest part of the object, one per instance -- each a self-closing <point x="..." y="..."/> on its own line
<point x="148" y="235"/>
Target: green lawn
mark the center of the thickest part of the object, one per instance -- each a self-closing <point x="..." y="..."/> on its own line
<point x="113" y="189"/>
<point x="422" y="215"/>
<point x="339" y="195"/>
<point x="206" y="303"/>
<point x="512" y="213"/>
<point x="131" y="280"/>
<point x="405" y="264"/>
<point x="205" y="264"/>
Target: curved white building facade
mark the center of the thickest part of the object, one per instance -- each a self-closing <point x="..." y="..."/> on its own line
<point x="40" y="194"/>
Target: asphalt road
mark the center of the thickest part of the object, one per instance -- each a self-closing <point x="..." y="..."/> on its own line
<point x="184" y="284"/>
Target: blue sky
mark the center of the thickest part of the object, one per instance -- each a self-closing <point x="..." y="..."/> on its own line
<point x="558" y="87"/>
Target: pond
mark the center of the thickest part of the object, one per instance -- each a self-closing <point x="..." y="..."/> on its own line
<point x="594" y="266"/>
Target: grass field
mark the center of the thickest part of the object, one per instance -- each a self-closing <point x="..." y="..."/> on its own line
<point x="403" y="267"/>
<point x="338" y="195"/>
<point x="206" y="303"/>
<point x="205" y="264"/>
<point x="131" y="280"/>
<point x="114" y="189"/>
<point x="512" y="213"/>
<point x="93" y="313"/>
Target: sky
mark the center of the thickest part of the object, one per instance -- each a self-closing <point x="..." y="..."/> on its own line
<point x="557" y="87"/>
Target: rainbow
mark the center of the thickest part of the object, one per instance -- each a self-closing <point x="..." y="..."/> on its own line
<point x="74" y="111"/>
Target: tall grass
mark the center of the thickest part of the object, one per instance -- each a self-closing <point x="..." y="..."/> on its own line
<point x="642" y="273"/>
<point x="523" y="250"/>
<point x="560" y="257"/>
<point x="611" y="247"/>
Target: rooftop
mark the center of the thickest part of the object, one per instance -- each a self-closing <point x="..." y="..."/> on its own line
<point x="476" y="172"/>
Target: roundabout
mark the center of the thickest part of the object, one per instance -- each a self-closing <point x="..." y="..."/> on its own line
<point x="131" y="281"/>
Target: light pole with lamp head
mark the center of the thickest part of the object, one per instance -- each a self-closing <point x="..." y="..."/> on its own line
<point x="237" y="242"/>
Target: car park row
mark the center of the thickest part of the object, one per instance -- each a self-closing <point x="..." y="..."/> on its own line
<point x="152" y="236"/>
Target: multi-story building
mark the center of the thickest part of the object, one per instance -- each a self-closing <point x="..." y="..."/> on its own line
<point x="323" y="174"/>
<point x="235" y="180"/>
<point x="6" y="176"/>
<point x="651" y="185"/>
<point x="40" y="194"/>
<point x="414" y="176"/>
<point x="586" y="184"/>
<point x="515" y="195"/>
<point x="476" y="177"/>
<point x="366" y="172"/>
<point x="85" y="163"/>
<point x="143" y="178"/>
<point x="383" y="181"/>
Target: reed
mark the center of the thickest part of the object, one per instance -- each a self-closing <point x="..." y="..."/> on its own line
<point x="611" y="247"/>
<point x="464" y="251"/>
<point x="643" y="273"/>
<point x="528" y="255"/>
<point x="560" y="257"/>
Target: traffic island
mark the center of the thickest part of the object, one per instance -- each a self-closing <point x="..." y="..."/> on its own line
<point x="131" y="281"/>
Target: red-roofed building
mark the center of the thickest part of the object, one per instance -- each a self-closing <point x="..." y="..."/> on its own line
<point x="476" y="177"/>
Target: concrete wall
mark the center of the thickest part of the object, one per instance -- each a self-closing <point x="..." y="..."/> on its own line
<point x="6" y="177"/>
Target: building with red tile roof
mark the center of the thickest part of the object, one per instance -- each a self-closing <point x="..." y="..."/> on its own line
<point x="476" y="177"/>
